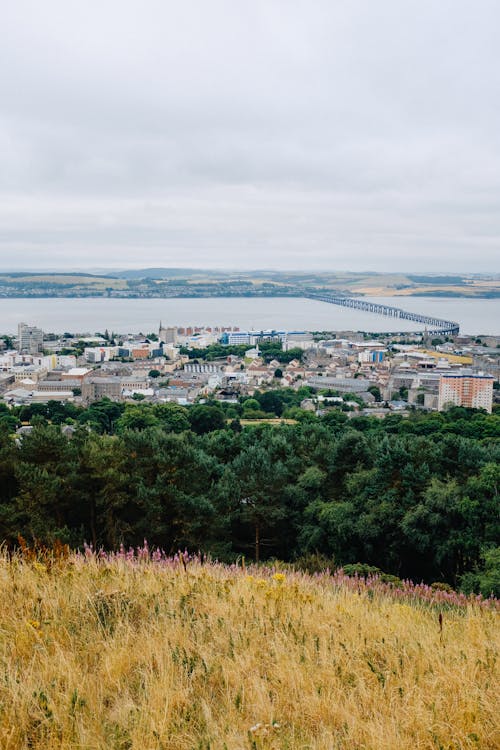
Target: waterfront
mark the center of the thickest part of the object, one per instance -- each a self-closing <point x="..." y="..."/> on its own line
<point x="87" y="314"/>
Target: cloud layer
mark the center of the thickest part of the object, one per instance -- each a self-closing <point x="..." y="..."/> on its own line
<point x="341" y="135"/>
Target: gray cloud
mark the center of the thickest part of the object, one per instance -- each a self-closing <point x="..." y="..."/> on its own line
<point x="344" y="134"/>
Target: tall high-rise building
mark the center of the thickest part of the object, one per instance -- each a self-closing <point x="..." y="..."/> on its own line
<point x="167" y="335"/>
<point x="30" y="339"/>
<point x="466" y="389"/>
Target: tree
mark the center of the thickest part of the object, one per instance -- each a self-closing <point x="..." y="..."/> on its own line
<point x="172" y="417"/>
<point x="8" y="341"/>
<point x="109" y="506"/>
<point x="136" y="417"/>
<point x="375" y="391"/>
<point x="272" y="402"/>
<point x="436" y="529"/>
<point x="154" y="374"/>
<point x="350" y="453"/>
<point x="254" y="484"/>
<point x="172" y="479"/>
<point x="203" y="418"/>
<point x="335" y="419"/>
<point x="57" y="412"/>
<point x="101" y="415"/>
<point x="8" y="422"/>
<point x="485" y="579"/>
<point x="8" y="485"/>
<point x="251" y="404"/>
<point x="45" y="472"/>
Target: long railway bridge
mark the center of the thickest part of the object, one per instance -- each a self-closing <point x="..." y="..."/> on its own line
<point x="436" y="325"/>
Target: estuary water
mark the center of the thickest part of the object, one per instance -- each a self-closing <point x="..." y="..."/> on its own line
<point x="89" y="315"/>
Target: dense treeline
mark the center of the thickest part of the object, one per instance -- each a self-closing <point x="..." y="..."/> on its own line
<point x="268" y="350"/>
<point x="415" y="497"/>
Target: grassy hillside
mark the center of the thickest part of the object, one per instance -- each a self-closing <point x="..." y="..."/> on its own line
<point x="181" y="282"/>
<point x="122" y="652"/>
<point x="69" y="280"/>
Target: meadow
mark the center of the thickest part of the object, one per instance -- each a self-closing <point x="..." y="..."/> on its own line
<point x="137" y="650"/>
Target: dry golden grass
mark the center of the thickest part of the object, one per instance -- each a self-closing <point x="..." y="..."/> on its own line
<point x="420" y="290"/>
<point x="108" y="655"/>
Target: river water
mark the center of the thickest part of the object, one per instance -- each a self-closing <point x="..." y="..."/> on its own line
<point x="89" y="315"/>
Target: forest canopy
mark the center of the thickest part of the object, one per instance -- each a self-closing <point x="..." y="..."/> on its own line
<point x="415" y="497"/>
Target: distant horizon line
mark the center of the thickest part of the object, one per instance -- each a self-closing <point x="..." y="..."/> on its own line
<point x="93" y="270"/>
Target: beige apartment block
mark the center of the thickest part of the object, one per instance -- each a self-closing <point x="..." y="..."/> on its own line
<point x="472" y="390"/>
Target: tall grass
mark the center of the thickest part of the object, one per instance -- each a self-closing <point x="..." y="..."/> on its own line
<point x="125" y="651"/>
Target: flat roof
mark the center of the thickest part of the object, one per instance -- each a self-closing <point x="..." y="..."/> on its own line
<point x="474" y="376"/>
<point x="77" y="371"/>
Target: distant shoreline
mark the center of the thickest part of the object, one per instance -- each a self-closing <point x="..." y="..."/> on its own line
<point x="252" y="295"/>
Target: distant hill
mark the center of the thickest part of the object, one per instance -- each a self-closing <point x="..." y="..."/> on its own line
<point x="442" y="280"/>
<point x="160" y="282"/>
<point x="53" y="274"/>
<point x="165" y="273"/>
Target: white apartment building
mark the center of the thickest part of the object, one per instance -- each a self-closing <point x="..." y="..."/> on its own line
<point x="30" y="338"/>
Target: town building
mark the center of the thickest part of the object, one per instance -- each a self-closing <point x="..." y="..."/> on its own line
<point x="94" y="388"/>
<point x="374" y="357"/>
<point x="466" y="389"/>
<point x="342" y="385"/>
<point x="30" y="339"/>
<point x="61" y="386"/>
<point x="167" y="335"/>
<point x="203" y="367"/>
<point x="252" y="338"/>
<point x="76" y="373"/>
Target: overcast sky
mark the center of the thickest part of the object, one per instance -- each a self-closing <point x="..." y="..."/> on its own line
<point x="346" y="134"/>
